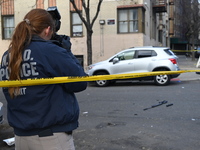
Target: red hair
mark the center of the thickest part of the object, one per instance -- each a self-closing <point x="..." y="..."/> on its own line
<point x="34" y="22"/>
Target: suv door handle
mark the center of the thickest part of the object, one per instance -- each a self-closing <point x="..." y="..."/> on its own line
<point x="130" y="63"/>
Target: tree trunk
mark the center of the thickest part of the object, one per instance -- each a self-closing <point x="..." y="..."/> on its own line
<point x="193" y="45"/>
<point x="87" y="23"/>
<point x="89" y="48"/>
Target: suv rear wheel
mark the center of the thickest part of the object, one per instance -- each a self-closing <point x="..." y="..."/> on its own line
<point x="102" y="83"/>
<point x="162" y="79"/>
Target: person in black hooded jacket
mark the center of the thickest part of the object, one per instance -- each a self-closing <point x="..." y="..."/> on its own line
<point x="43" y="116"/>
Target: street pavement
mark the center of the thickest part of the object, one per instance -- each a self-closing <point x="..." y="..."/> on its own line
<point x="186" y="63"/>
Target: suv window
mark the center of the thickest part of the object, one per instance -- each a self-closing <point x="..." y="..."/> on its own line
<point x="126" y="55"/>
<point x="145" y="53"/>
<point x="169" y="52"/>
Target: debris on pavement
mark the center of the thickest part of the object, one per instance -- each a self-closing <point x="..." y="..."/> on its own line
<point x="159" y="104"/>
<point x="10" y="141"/>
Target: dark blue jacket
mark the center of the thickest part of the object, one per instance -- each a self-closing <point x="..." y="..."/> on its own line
<point x="44" y="106"/>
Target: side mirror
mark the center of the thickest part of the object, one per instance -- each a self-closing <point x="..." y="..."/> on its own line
<point x="115" y="60"/>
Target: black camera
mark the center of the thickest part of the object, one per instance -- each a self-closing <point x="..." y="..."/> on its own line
<point x="61" y="40"/>
<point x="56" y="16"/>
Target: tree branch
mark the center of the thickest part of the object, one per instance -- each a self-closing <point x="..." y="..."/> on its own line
<point x="79" y="13"/>
<point x="87" y="12"/>
<point x="97" y="13"/>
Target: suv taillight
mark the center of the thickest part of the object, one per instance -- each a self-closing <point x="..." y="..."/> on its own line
<point x="173" y="60"/>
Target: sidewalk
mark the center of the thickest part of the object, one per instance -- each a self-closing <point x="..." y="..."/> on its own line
<point x="186" y="63"/>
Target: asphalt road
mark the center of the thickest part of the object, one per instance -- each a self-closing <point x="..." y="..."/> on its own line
<point x="113" y="118"/>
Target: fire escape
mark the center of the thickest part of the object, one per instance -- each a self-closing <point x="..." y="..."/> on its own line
<point x="160" y="6"/>
<point x="171" y="17"/>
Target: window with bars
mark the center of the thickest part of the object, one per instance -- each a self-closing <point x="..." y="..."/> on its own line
<point x="8" y="26"/>
<point x="7" y="15"/>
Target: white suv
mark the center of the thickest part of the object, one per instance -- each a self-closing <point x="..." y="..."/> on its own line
<point x="135" y="60"/>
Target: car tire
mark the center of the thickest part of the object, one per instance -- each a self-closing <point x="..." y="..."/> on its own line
<point x="102" y="83"/>
<point x="162" y="80"/>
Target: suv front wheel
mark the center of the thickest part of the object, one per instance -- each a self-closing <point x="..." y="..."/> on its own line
<point x="162" y="79"/>
<point x="102" y="83"/>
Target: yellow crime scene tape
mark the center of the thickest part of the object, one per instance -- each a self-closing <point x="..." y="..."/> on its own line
<point x="57" y="80"/>
<point x="184" y="50"/>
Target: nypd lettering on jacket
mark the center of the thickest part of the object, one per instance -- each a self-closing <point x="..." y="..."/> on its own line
<point x="44" y="59"/>
<point x="28" y="68"/>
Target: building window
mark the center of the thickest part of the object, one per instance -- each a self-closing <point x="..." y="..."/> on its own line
<point x="128" y="20"/>
<point x="7" y="16"/>
<point x="8" y="26"/>
<point x="76" y="25"/>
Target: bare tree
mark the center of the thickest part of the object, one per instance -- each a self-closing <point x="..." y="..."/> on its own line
<point x="88" y="23"/>
<point x="191" y="21"/>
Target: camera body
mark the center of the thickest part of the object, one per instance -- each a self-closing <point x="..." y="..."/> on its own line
<point x="61" y="40"/>
<point x="53" y="11"/>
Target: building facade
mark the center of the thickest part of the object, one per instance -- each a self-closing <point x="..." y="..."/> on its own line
<point x="176" y="16"/>
<point x="120" y="24"/>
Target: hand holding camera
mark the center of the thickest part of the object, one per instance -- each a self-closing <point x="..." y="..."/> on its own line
<point x="61" y="40"/>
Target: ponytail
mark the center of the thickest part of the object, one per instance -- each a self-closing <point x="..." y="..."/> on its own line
<point x="34" y="23"/>
<point x="20" y="39"/>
